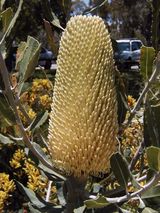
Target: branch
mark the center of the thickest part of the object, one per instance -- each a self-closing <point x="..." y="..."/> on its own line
<point x="136" y="156"/>
<point x="124" y="198"/>
<point x="11" y="99"/>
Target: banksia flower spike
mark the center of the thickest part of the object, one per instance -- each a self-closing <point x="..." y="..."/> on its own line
<point x="83" y="121"/>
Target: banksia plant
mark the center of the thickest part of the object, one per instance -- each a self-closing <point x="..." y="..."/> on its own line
<point x="83" y="120"/>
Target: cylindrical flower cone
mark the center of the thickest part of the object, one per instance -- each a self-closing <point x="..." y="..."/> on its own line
<point x="83" y="120"/>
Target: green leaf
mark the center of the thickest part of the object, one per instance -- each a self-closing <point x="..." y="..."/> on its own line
<point x="146" y="62"/>
<point x="6" y="112"/>
<point x="152" y="123"/>
<point x="40" y="150"/>
<point x="31" y="195"/>
<point x="149" y="210"/>
<point x="121" y="98"/>
<point x="152" y="192"/>
<point x="3" y="49"/>
<point x="153" y="157"/>
<point x="51" y="174"/>
<point x="6" y="18"/>
<point x="99" y="202"/>
<point x="56" y="21"/>
<point x="80" y="209"/>
<point x="2" y="2"/>
<point x="37" y="202"/>
<point x="120" y="169"/>
<point x="12" y="23"/>
<point x="124" y="210"/>
<point x="27" y="59"/>
<point x="32" y="209"/>
<point x="39" y="120"/>
<point x="50" y="37"/>
<point x="5" y="140"/>
<point x="51" y="16"/>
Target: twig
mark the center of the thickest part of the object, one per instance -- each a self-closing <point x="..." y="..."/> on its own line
<point x="11" y="99"/>
<point x="137" y="155"/>
<point x="49" y="191"/>
<point x="124" y="198"/>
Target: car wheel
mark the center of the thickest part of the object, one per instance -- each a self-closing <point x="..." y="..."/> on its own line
<point x="48" y="64"/>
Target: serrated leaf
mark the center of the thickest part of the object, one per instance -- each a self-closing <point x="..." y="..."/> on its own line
<point x="153" y="157"/>
<point x="50" y="37"/>
<point x="27" y="58"/>
<point x="146" y="61"/>
<point x="152" y="192"/>
<point x="120" y="169"/>
<point x="20" y="51"/>
<point x="149" y="210"/>
<point x="6" y="112"/>
<point x="39" y="120"/>
<point x="7" y="16"/>
<point x="99" y="202"/>
<point x="12" y="22"/>
<point x="5" y="140"/>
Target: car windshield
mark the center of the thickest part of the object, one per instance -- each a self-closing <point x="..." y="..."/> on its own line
<point x="136" y="45"/>
<point x="123" y="46"/>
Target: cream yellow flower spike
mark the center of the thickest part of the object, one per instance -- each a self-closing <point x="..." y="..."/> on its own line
<point x="83" y="120"/>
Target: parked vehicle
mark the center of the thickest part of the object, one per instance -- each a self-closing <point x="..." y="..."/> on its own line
<point x="45" y="58"/>
<point x="128" y="52"/>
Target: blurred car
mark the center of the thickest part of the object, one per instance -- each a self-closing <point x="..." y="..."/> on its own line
<point x="45" y="58"/>
<point x="128" y="52"/>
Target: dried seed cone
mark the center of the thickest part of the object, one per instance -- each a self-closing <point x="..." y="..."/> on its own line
<point x="83" y="121"/>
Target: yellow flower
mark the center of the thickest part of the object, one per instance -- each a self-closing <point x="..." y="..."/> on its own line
<point x="83" y="121"/>
<point x="6" y="187"/>
<point x="31" y="113"/>
<point x="131" y="101"/>
<point x="17" y="159"/>
<point x="40" y="84"/>
<point x="36" y="181"/>
<point x="45" y="100"/>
